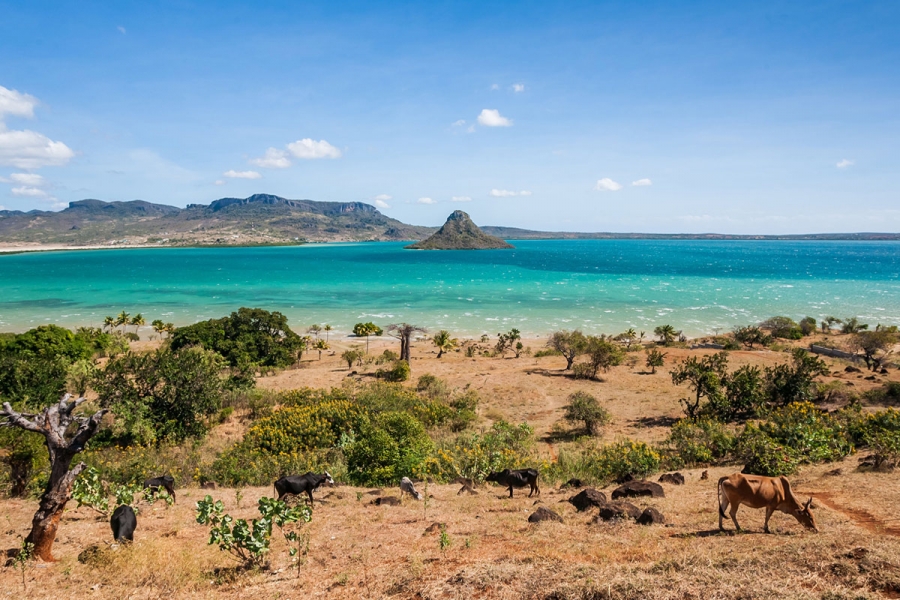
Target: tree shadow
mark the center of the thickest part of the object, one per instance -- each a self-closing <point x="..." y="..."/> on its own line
<point x="548" y="372"/>
<point x="706" y="533"/>
<point x="661" y="421"/>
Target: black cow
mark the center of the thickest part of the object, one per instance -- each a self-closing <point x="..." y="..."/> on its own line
<point x="123" y="523"/>
<point x="516" y="478"/>
<point x="167" y="482"/>
<point x="297" y="484"/>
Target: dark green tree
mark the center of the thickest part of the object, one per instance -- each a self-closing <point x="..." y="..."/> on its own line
<point x="568" y="343"/>
<point x="704" y="375"/>
<point x="584" y="408"/>
<point x="794" y="381"/>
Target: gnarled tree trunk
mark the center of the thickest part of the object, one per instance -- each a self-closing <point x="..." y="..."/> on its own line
<point x="53" y="423"/>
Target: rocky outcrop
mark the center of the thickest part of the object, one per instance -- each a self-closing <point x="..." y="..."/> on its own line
<point x="460" y="233"/>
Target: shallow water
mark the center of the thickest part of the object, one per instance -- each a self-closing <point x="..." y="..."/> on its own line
<point x="597" y="285"/>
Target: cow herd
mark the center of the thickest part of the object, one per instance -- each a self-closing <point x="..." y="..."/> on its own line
<point x="754" y="491"/>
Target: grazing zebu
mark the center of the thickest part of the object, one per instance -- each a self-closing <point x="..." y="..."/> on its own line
<point x="297" y="484"/>
<point x="516" y="478"/>
<point x="757" y="491"/>
<point x="406" y="486"/>
<point x="123" y="523"/>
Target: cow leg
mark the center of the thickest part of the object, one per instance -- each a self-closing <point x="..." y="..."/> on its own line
<point x="309" y="493"/>
<point x="769" y="511"/>
<point x="510" y="491"/>
<point x="722" y="507"/>
<point x="733" y="512"/>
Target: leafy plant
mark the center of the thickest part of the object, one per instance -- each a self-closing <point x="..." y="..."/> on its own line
<point x="698" y="442"/>
<point x="584" y="408"/>
<point x="655" y="359"/>
<point x="249" y="543"/>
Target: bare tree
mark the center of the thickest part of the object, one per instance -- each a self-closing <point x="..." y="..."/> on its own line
<point x="53" y="423"/>
<point x="404" y="333"/>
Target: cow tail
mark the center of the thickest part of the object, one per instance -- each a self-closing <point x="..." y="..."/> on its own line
<point x="721" y="492"/>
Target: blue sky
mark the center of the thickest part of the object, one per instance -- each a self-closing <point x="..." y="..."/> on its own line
<point x="600" y="116"/>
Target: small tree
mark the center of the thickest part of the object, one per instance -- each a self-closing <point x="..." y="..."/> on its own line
<point x="852" y="325"/>
<point x="66" y="435"/>
<point x="404" y="333"/>
<point x="793" y="382"/>
<point x="584" y="408"/>
<point x="782" y="327"/>
<point x="138" y="321"/>
<point x="807" y="325"/>
<point x="351" y="356"/>
<point x="321" y="345"/>
<point x="655" y="359"/>
<point x="568" y="343"/>
<point x="444" y="342"/>
<point x="365" y="330"/>
<point x="704" y="376"/>
<point x="509" y="341"/>
<point x="829" y="322"/>
<point x="602" y="354"/>
<point x="751" y="335"/>
<point x="314" y="329"/>
<point x="875" y="346"/>
<point x="327" y="329"/>
<point x="666" y="334"/>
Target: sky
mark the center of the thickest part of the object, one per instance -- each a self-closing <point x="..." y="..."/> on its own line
<point x="674" y="116"/>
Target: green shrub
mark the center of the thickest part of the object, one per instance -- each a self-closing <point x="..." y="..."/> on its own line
<point x="627" y="457"/>
<point x="249" y="335"/>
<point x="539" y="353"/>
<point x="889" y="393"/>
<point x="783" y="327"/>
<point x="293" y="429"/>
<point x="474" y="455"/>
<point x="698" y="442"/>
<point x="885" y="446"/>
<point x="584" y="408"/>
<point x="812" y="434"/>
<point x="391" y="446"/>
<point x="762" y="455"/>
<point x="388" y="356"/>
<point x="399" y="372"/>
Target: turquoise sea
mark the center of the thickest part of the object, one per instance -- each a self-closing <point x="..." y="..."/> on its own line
<point x="597" y="285"/>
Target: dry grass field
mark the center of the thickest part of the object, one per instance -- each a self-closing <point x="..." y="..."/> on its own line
<point x="358" y="550"/>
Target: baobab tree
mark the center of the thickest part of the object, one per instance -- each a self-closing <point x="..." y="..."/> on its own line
<point x="54" y="423"/>
<point x="404" y="333"/>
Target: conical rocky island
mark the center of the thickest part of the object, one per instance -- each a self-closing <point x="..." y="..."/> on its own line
<point x="460" y="233"/>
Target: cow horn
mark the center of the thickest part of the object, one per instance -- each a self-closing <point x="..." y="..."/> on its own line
<point x="808" y="503"/>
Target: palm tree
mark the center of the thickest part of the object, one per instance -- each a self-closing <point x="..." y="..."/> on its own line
<point x="109" y="323"/>
<point x="138" y="322"/>
<point x="327" y="328"/>
<point x="443" y="341"/>
<point x="170" y="329"/>
<point x="321" y="345"/>
<point x="666" y="334"/>
<point x="122" y="320"/>
<point x="159" y="327"/>
<point x="314" y="329"/>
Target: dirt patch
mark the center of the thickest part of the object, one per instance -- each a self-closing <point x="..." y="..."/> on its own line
<point x="860" y="517"/>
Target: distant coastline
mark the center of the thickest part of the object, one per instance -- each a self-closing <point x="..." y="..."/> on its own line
<point x="525" y="235"/>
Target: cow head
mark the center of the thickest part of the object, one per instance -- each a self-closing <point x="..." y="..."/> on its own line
<point x="328" y="479"/>
<point x="492" y="476"/>
<point x="805" y="516"/>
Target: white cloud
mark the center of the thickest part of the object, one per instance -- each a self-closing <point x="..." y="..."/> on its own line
<point x="495" y="87"/>
<point x="641" y="182"/>
<point x="844" y="163"/>
<point x="381" y="201"/>
<point x="471" y="129"/>
<point x="310" y="149"/>
<point x="508" y="193"/>
<point x="426" y="201"/>
<point x="491" y="117"/>
<point x="461" y="199"/>
<point x="121" y="30"/>
<point x="16" y="103"/>
<point x="518" y="87"/>
<point x="607" y="185"/>
<point x="32" y="179"/>
<point x="232" y="174"/>
<point x="219" y="182"/>
<point x="31" y="150"/>
<point x="272" y="159"/>
<point x="459" y="123"/>
<point x="29" y="192"/>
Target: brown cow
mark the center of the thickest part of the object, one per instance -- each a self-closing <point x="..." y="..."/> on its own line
<point x="757" y="491"/>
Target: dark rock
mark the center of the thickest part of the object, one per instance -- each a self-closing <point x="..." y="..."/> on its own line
<point x="386" y="501"/>
<point x="704" y="475"/>
<point x="634" y="489"/>
<point x="544" y="514"/>
<point x="618" y="510"/>
<point x="588" y="498"/>
<point x="435" y="527"/>
<point x="835" y="472"/>
<point x="651" y="516"/>
<point x="574" y="483"/>
<point x="851" y="369"/>
<point x="625" y="478"/>
<point x="870" y="378"/>
<point x="883" y="371"/>
<point x="673" y="478"/>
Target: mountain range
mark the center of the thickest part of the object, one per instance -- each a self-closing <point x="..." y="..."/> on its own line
<point x="268" y="219"/>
